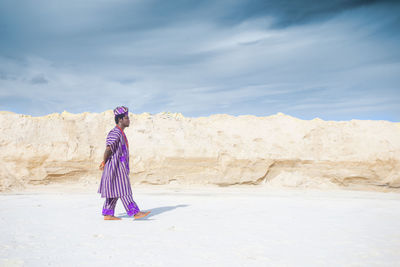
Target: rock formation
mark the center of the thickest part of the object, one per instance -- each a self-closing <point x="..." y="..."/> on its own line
<point x="223" y="150"/>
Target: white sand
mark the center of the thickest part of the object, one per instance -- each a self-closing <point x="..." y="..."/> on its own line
<point x="203" y="227"/>
<point x="167" y="148"/>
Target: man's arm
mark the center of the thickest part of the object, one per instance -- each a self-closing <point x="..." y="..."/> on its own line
<point x="107" y="155"/>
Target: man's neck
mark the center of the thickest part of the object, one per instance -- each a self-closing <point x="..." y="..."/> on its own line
<point x="121" y="126"/>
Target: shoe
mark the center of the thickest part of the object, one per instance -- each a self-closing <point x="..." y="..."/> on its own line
<point x="111" y="218"/>
<point x="140" y="214"/>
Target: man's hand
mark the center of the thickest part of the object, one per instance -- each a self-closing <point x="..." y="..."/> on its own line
<point x="101" y="167"/>
<point x="107" y="154"/>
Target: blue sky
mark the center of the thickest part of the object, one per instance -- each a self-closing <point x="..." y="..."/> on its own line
<point x="335" y="60"/>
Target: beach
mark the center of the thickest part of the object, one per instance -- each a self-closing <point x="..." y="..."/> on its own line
<point x="201" y="226"/>
<point x="256" y="133"/>
<point x="222" y="190"/>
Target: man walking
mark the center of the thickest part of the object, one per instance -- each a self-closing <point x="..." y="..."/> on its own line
<point x="115" y="181"/>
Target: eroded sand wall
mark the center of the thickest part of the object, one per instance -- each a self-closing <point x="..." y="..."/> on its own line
<point x="224" y="150"/>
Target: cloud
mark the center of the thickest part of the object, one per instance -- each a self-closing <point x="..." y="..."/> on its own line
<point x="201" y="57"/>
<point x="39" y="79"/>
<point x="288" y="13"/>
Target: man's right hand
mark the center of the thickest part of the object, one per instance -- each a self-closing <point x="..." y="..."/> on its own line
<point x="101" y="167"/>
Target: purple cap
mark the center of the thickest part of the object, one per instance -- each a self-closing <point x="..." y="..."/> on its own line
<point x="120" y="110"/>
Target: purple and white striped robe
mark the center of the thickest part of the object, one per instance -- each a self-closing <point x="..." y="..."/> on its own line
<point x="115" y="181"/>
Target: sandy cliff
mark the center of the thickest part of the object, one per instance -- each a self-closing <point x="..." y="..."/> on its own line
<point x="167" y="148"/>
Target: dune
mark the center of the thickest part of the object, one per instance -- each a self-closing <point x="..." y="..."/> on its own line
<point x="223" y="191"/>
<point x="219" y="150"/>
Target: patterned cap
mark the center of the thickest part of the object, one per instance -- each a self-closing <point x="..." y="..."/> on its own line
<point x="120" y="110"/>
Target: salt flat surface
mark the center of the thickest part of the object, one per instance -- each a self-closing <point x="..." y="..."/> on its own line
<point x="202" y="227"/>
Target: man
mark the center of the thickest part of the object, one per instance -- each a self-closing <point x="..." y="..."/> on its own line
<point x="115" y="181"/>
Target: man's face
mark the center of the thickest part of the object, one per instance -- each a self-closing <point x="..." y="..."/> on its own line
<point x="125" y="121"/>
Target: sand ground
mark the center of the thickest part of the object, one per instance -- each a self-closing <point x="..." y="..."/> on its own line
<point x="202" y="227"/>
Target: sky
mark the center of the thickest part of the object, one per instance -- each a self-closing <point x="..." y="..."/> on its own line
<point x="334" y="60"/>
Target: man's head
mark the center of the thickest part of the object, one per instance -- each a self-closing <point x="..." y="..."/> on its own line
<point x="122" y="116"/>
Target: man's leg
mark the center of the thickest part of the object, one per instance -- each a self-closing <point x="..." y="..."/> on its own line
<point x="108" y="209"/>
<point x="132" y="208"/>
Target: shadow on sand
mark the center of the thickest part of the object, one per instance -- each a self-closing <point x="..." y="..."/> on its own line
<point x="155" y="211"/>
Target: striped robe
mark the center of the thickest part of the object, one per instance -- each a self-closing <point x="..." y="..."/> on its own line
<point x="115" y="179"/>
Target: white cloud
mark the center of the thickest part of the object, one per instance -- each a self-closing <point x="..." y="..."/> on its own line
<point x="199" y="67"/>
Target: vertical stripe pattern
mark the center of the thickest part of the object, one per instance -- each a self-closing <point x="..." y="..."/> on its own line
<point x="109" y="206"/>
<point x="115" y="181"/>
<point x="129" y="204"/>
